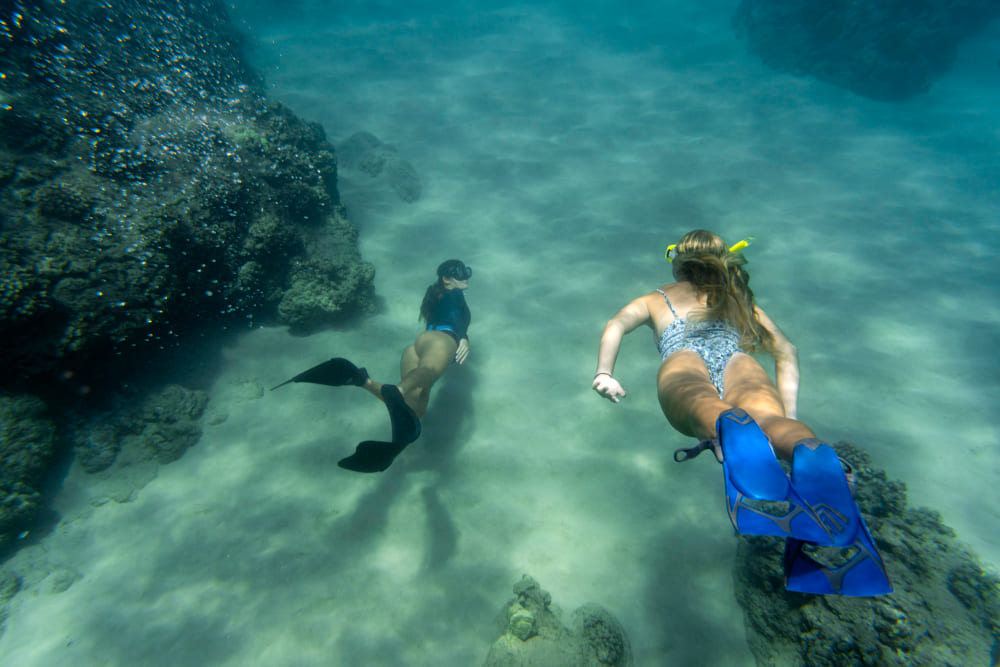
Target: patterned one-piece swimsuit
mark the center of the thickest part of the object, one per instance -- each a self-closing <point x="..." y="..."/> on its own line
<point x="715" y="342"/>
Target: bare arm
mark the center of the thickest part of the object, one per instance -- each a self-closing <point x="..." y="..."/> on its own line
<point x="786" y="364"/>
<point x="627" y="320"/>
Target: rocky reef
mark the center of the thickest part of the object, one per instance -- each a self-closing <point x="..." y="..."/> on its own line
<point x="149" y="193"/>
<point x="531" y="634"/>
<point x="944" y="609"/>
<point x="148" y="188"/>
<point x="882" y="49"/>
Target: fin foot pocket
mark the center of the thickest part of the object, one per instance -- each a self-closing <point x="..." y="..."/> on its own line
<point x="820" y="506"/>
<point x="405" y="423"/>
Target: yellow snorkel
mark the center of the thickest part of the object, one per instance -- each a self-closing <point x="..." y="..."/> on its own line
<point x="742" y="244"/>
<point x="672" y="248"/>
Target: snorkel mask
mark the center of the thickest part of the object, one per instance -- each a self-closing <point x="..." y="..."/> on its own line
<point x="454" y="269"/>
<point x="672" y="248"/>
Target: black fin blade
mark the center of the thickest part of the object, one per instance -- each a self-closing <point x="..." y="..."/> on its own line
<point x="372" y="456"/>
<point x="334" y="373"/>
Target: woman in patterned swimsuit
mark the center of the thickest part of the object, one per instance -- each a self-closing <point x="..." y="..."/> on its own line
<point x="706" y="323"/>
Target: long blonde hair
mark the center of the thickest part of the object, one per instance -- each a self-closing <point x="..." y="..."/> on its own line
<point x="704" y="260"/>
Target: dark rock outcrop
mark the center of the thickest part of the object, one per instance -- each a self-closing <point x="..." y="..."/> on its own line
<point x="148" y="189"/>
<point x="27" y="445"/>
<point x="883" y="49"/>
<point x="944" y="609"/>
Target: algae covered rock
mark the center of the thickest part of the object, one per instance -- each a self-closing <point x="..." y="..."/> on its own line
<point x="322" y="291"/>
<point x="531" y="634"/>
<point x="148" y="189"/>
<point x="27" y="438"/>
<point x="945" y="610"/>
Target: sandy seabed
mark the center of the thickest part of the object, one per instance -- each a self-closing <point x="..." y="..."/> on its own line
<point x="559" y="168"/>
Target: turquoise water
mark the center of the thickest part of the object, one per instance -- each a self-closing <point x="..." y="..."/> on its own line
<point x="560" y="151"/>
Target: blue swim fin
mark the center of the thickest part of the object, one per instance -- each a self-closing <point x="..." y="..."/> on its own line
<point x="863" y="575"/>
<point x="821" y="509"/>
<point x="820" y="506"/>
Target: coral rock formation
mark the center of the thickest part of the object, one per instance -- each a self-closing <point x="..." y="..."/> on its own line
<point x="533" y="636"/>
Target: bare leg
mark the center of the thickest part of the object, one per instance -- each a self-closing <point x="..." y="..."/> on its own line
<point x="422" y="364"/>
<point x="374" y="387"/>
<point x="407" y="363"/>
<point x="748" y="386"/>
<point x="692" y="405"/>
<point x="419" y="368"/>
<point x="687" y="396"/>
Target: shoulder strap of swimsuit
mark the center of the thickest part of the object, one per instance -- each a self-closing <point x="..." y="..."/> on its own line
<point x="668" y="302"/>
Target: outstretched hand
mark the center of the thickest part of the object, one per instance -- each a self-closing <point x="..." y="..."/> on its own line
<point x="463" y="351"/>
<point x="608" y="387"/>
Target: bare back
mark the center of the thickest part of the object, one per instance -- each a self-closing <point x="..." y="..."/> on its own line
<point x="684" y="298"/>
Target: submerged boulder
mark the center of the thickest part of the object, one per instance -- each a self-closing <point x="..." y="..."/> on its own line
<point x="159" y="428"/>
<point x="882" y="49"/>
<point x="531" y="634"/>
<point x="364" y="152"/>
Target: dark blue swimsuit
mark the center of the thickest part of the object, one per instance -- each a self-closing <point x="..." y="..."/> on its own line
<point x="451" y="315"/>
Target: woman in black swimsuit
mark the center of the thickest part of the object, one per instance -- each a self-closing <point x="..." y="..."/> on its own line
<point x="445" y="339"/>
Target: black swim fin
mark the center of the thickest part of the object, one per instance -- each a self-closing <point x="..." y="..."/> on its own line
<point x="335" y="373"/>
<point x="405" y="423"/>
<point x="372" y="456"/>
<point x="375" y="456"/>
